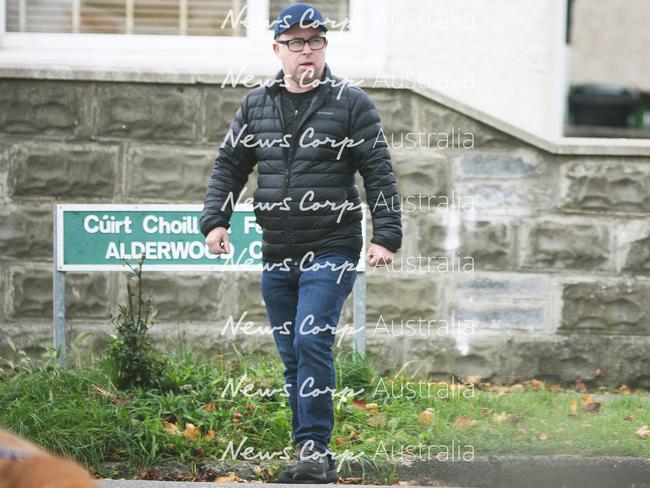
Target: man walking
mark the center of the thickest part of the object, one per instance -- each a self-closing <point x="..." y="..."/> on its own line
<point x="310" y="133"/>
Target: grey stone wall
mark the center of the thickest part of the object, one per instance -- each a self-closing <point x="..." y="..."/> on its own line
<point x="540" y="263"/>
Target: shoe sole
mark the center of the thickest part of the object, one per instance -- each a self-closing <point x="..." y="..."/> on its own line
<point x="331" y="476"/>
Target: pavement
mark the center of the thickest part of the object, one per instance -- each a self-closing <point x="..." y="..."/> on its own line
<point x="494" y="471"/>
<point x="179" y="484"/>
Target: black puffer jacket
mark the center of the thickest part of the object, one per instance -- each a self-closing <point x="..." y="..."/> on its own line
<point x="293" y="220"/>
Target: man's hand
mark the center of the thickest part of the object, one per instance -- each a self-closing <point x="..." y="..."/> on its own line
<point x="378" y="255"/>
<point x="217" y="240"/>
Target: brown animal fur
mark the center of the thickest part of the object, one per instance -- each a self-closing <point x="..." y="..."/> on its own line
<point x="41" y="470"/>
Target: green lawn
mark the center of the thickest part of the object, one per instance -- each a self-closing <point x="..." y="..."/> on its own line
<point x="77" y="411"/>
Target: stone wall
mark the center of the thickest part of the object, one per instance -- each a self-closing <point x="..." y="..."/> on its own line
<point x="539" y="262"/>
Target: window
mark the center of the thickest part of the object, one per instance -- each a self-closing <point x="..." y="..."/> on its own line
<point x="205" y="37"/>
<point x="336" y="14"/>
<point x="170" y="17"/>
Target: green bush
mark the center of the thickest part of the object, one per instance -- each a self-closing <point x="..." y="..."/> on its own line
<point x="133" y="360"/>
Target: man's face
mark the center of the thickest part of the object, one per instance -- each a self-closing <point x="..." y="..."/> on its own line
<point x="303" y="66"/>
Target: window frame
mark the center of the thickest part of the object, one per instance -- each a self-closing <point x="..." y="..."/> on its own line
<point x="359" y="51"/>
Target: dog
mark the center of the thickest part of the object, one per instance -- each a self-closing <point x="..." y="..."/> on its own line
<point x="25" y="465"/>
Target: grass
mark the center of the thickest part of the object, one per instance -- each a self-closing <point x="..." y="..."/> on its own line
<point x="78" y="412"/>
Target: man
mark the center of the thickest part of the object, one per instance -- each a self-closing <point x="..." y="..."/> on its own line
<point x="310" y="132"/>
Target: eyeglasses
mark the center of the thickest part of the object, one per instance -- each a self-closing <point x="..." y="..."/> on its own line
<point x="298" y="44"/>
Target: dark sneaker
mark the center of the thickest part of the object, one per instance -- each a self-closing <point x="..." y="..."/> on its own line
<point x="312" y="467"/>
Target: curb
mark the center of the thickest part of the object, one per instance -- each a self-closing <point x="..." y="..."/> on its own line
<point x="492" y="471"/>
<point x="538" y="471"/>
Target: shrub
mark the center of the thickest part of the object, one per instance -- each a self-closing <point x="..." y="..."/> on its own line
<point x="133" y="360"/>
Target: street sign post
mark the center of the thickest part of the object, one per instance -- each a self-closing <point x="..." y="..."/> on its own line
<point x="104" y="237"/>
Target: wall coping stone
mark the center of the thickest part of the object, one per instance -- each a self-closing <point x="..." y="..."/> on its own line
<point x="561" y="146"/>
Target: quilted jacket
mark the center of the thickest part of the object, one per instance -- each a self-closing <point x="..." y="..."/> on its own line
<point x="306" y="198"/>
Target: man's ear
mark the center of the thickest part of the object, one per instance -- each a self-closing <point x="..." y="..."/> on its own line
<point x="276" y="49"/>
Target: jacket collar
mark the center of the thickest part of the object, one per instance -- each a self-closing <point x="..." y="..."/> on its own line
<point x="327" y="81"/>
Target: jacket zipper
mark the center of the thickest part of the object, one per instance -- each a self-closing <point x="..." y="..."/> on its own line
<point x="289" y="161"/>
<point x="287" y="176"/>
<point x="285" y="183"/>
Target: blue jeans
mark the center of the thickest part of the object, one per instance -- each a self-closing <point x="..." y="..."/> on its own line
<point x="304" y="302"/>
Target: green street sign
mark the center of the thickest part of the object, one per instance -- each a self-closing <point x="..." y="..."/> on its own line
<point x="102" y="237"/>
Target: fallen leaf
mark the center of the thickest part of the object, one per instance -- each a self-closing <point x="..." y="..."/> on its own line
<point x="209" y="436"/>
<point x="628" y="417"/>
<point x="501" y="417"/>
<point x="229" y="477"/>
<point x="574" y="407"/>
<point x="517" y="387"/>
<point x="171" y="427"/>
<point x="474" y="379"/>
<point x="351" y="481"/>
<point x="543" y="436"/>
<point x="100" y="392"/>
<point x="359" y="403"/>
<point x="209" y="407"/>
<point x="378" y="420"/>
<point x="642" y="432"/>
<point x="191" y="432"/>
<point x="426" y="416"/>
<point x="521" y="432"/>
<point x="580" y="385"/>
<point x="372" y="407"/>
<point x="591" y="407"/>
<point x="536" y="384"/>
<point x="462" y="421"/>
<point x="624" y="390"/>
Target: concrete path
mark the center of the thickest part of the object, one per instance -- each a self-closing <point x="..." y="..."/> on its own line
<point x="179" y="484"/>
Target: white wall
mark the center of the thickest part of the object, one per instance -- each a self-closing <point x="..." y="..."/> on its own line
<point x="611" y="43"/>
<point x="504" y="57"/>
